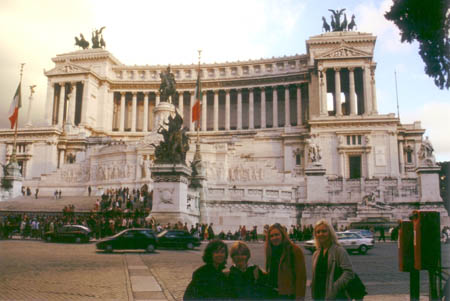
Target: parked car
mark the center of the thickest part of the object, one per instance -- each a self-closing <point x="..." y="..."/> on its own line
<point x="130" y="239"/>
<point x="349" y="240"/>
<point x="69" y="233"/>
<point x="177" y="239"/>
<point x="363" y="232"/>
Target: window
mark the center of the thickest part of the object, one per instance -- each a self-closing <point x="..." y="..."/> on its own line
<point x="298" y="159"/>
<point x="355" y="167"/>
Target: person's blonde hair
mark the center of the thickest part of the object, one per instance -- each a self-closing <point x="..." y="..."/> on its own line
<point x="239" y="247"/>
<point x="333" y="236"/>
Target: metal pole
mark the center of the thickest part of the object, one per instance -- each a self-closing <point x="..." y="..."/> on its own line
<point x="414" y="285"/>
<point x="13" y="155"/>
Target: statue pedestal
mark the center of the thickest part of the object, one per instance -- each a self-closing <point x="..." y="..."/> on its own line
<point x="429" y="183"/>
<point x="316" y="184"/>
<point x="162" y="112"/>
<point x="170" y="194"/>
<point x="15" y="179"/>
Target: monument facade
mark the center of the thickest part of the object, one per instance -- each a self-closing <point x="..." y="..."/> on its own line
<point x="289" y="139"/>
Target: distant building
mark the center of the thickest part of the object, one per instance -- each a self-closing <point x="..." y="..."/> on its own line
<point x="289" y="139"/>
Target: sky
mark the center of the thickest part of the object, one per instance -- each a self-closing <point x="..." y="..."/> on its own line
<point x="152" y="32"/>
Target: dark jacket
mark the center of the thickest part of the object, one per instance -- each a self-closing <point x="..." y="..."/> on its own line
<point x="208" y="283"/>
<point x="246" y="286"/>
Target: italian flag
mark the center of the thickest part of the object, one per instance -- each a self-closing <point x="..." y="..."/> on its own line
<point x="196" y="109"/>
<point x="14" y="108"/>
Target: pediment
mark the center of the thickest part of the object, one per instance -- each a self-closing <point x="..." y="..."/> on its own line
<point x="344" y="51"/>
<point x="66" y="68"/>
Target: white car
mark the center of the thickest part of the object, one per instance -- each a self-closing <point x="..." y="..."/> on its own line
<point x="349" y="240"/>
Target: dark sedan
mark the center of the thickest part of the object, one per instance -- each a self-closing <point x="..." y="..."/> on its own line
<point x="177" y="239"/>
<point x="130" y="239"/>
<point x="69" y="233"/>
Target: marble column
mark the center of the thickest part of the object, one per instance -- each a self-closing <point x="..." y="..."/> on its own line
<point x="351" y="75"/>
<point x="239" y="109"/>
<point x="251" y="109"/>
<point x="227" y="109"/>
<point x="62" y="100"/>
<point x="401" y="157"/>
<point x="373" y="90"/>
<point x="204" y="107"/>
<point x="181" y="103"/>
<point x="337" y="91"/>
<point x="49" y="103"/>
<point x="133" y="112"/>
<point x="367" y="94"/>
<point x="191" y="102"/>
<point x="122" y="112"/>
<point x="216" y="110"/>
<point x="275" y="106"/>
<point x="158" y="98"/>
<point x="323" y="92"/>
<point x="287" y="107"/>
<point x="145" y="127"/>
<point x="263" y="107"/>
<point x="85" y="103"/>
<point x="73" y="101"/>
<point x="299" y="105"/>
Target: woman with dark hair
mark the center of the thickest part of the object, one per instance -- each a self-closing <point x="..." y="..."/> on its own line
<point x="208" y="281"/>
<point x="285" y="264"/>
<point x="331" y="266"/>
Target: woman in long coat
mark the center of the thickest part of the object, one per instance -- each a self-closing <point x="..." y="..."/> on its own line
<point x="331" y="266"/>
<point x="285" y="264"/>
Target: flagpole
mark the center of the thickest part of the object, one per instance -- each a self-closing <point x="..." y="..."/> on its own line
<point x="13" y="156"/>
<point x="201" y="100"/>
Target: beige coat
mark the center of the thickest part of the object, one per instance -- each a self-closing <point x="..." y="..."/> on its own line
<point x="337" y="256"/>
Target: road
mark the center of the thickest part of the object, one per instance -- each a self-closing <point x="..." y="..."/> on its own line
<point x="36" y="270"/>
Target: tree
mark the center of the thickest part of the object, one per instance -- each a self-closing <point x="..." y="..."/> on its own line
<point x="428" y="22"/>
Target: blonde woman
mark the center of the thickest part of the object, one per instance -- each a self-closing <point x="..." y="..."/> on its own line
<point x="331" y="266"/>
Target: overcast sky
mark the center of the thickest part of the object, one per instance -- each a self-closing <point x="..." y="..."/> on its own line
<point x="171" y="32"/>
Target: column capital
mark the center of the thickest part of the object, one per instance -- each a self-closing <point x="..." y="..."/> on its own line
<point x="134" y="93"/>
<point x="216" y="92"/>
<point x="122" y="93"/>
<point x="263" y="88"/>
<point x="227" y="91"/>
<point x="351" y="69"/>
<point x="337" y="69"/>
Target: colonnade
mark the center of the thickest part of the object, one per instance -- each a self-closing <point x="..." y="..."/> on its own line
<point x="68" y="105"/>
<point x="225" y="109"/>
<point x="356" y="83"/>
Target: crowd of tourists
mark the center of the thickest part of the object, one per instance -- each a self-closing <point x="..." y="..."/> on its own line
<point x="284" y="274"/>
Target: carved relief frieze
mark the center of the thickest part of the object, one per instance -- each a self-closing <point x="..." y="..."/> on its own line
<point x="170" y="178"/>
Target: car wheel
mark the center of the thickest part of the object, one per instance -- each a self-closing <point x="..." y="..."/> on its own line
<point x="363" y="249"/>
<point x="150" y="248"/>
<point x="189" y="246"/>
<point x="109" y="249"/>
<point x="77" y="240"/>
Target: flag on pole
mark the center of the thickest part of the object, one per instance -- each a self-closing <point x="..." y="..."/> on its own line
<point x="196" y="109"/>
<point x="14" y="108"/>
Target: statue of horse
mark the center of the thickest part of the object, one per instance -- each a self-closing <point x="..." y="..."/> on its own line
<point x="352" y="24"/>
<point x="81" y="42"/>
<point x="168" y="85"/>
<point x="325" y="25"/>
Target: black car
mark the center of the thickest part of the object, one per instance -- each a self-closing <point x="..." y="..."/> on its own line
<point x="130" y="239"/>
<point x="69" y="233"/>
<point x="177" y="239"/>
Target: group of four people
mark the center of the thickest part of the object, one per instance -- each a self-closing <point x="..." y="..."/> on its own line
<point x="285" y="275"/>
